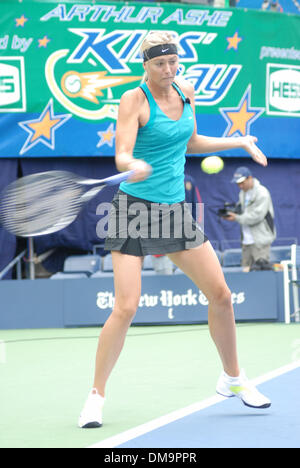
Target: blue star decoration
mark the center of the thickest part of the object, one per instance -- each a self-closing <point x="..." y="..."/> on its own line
<point x="107" y="136"/>
<point x="42" y="130"/>
<point x="240" y="118"/>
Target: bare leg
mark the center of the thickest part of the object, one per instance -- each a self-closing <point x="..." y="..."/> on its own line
<point x="202" y="266"/>
<point x="127" y="280"/>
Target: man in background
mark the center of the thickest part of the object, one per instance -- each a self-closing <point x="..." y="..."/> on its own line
<point x="256" y="218"/>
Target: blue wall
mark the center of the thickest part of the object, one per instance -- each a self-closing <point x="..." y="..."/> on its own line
<point x="165" y="300"/>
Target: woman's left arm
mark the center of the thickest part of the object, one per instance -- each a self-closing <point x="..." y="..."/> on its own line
<point x="200" y="144"/>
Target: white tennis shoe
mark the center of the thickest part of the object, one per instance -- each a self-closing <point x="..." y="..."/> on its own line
<point x="243" y="389"/>
<point x="91" y="415"/>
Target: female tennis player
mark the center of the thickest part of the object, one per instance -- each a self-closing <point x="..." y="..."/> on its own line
<point x="156" y="128"/>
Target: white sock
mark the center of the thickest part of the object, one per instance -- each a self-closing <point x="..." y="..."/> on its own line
<point x="233" y="380"/>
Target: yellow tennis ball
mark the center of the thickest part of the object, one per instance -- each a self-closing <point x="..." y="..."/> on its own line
<point x="212" y="164"/>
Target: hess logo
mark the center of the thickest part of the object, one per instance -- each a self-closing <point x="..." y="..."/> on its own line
<point x="284" y="90"/>
<point x="10" y="91"/>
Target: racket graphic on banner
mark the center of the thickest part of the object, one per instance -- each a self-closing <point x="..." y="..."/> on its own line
<point x="47" y="202"/>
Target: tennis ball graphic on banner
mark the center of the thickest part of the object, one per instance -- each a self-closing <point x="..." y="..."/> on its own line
<point x="212" y="164"/>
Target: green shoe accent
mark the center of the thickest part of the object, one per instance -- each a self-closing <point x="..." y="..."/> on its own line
<point x="237" y="389"/>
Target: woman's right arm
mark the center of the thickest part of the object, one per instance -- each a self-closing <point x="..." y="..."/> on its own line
<point x="126" y="133"/>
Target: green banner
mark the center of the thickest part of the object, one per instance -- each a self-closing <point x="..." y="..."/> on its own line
<point x="64" y="67"/>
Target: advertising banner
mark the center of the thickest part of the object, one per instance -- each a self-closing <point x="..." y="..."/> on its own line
<point x="164" y="299"/>
<point x="65" y="65"/>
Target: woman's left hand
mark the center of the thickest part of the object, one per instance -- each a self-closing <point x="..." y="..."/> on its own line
<point x="257" y="155"/>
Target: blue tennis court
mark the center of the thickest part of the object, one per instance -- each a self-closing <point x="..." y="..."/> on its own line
<point x="228" y="424"/>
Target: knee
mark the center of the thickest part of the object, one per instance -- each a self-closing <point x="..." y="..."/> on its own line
<point x="126" y="310"/>
<point x="222" y="297"/>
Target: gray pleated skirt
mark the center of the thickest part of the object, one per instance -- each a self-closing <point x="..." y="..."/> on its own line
<point x="140" y="227"/>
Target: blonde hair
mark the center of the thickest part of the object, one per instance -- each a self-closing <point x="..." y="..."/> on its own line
<point x="155" y="38"/>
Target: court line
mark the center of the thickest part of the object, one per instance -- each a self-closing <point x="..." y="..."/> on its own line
<point x="142" y="429"/>
<point x="2" y="352"/>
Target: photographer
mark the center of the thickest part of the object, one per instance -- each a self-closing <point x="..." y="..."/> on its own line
<point x="256" y="219"/>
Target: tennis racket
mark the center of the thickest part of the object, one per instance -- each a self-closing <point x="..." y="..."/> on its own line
<point x="47" y="202"/>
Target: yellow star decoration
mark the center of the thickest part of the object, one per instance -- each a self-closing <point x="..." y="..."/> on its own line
<point x="43" y="128"/>
<point x="240" y="118"/>
<point x="107" y="136"/>
<point x="43" y="42"/>
<point x="233" y="42"/>
<point x="21" y="21"/>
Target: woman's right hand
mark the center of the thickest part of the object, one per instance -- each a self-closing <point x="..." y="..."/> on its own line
<point x="141" y="170"/>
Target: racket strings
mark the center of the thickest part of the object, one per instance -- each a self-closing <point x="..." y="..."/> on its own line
<point x="40" y="205"/>
<point x="47" y="202"/>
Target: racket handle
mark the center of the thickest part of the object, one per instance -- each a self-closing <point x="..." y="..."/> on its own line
<point x="118" y="178"/>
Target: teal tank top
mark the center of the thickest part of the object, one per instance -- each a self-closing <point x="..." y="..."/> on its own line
<point x="162" y="143"/>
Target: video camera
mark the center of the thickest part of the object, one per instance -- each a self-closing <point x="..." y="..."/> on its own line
<point x="233" y="207"/>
